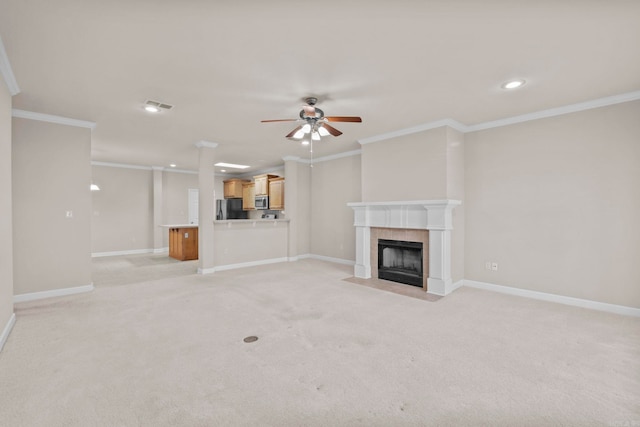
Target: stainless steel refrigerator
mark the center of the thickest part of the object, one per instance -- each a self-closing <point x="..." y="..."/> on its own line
<point x="230" y="209"/>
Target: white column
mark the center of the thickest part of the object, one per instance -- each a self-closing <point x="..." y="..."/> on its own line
<point x="158" y="232"/>
<point x="206" y="206"/>
<point x="362" y="268"/>
<point x="439" y="281"/>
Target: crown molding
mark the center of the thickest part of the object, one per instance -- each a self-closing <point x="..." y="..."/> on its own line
<point x="22" y="114"/>
<point x="324" y="158"/>
<point x="415" y="129"/>
<point x="206" y="144"/>
<point x="559" y="111"/>
<point x="120" y="165"/>
<point x="254" y="173"/>
<point x="552" y="112"/>
<point x="7" y="71"/>
<point x="139" y="167"/>
<point x="337" y="156"/>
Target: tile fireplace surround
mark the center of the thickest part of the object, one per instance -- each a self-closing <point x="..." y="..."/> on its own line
<point x="432" y="215"/>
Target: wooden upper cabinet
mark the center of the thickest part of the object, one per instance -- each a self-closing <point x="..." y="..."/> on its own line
<point x="262" y="184"/>
<point x="276" y="194"/>
<point x="248" y="196"/>
<point x="233" y="188"/>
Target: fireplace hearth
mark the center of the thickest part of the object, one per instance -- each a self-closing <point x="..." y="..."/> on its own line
<point x="400" y="261"/>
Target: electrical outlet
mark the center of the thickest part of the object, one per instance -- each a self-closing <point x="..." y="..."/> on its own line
<point x="69" y="214"/>
<point x="494" y="266"/>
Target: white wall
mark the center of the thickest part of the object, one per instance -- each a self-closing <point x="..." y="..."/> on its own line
<point x="6" y="224"/>
<point x="556" y="203"/>
<point x="334" y="183"/>
<point x="122" y="210"/>
<point x="410" y="167"/>
<point x="51" y="175"/>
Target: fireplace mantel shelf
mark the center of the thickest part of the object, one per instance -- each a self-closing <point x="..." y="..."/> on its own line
<point x="421" y="214"/>
<point x="433" y="215"/>
<point x="434" y="203"/>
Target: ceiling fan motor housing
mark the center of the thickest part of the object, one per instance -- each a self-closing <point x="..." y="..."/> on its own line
<point x="319" y="114"/>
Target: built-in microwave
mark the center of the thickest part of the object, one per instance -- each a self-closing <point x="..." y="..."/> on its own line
<point x="262" y="202"/>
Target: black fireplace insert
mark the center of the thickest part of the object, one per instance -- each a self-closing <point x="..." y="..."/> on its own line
<point x="400" y="261"/>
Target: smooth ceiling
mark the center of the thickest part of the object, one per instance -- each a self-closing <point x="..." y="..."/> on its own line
<point x="226" y="65"/>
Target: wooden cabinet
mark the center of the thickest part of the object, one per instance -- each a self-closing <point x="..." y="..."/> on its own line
<point x="233" y="188"/>
<point x="183" y="243"/>
<point x="248" y="196"/>
<point x="262" y="184"/>
<point x="276" y="194"/>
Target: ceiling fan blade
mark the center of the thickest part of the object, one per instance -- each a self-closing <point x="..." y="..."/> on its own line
<point x="344" y="119"/>
<point x="309" y="110"/>
<point x="333" y="131"/>
<point x="278" y="120"/>
<point x="293" y="132"/>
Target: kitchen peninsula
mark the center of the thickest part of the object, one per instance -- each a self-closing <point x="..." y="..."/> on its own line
<point x="237" y="242"/>
<point x="246" y="242"/>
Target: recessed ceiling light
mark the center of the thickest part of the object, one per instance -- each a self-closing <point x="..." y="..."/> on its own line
<point x="513" y="84"/>
<point x="223" y="170"/>
<point x="231" y="165"/>
<point x="151" y="109"/>
<point x="173" y="165"/>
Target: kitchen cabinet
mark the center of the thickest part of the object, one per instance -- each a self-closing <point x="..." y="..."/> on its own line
<point x="262" y="184"/>
<point x="183" y="243"/>
<point x="276" y="194"/>
<point x="248" y="196"/>
<point x="233" y="188"/>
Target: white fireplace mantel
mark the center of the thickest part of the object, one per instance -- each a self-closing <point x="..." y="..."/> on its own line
<point x="433" y="215"/>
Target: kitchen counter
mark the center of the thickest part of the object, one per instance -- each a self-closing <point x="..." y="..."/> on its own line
<point x="246" y="221"/>
<point x="179" y="225"/>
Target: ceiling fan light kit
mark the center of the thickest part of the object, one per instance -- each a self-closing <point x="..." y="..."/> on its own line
<point x="315" y="123"/>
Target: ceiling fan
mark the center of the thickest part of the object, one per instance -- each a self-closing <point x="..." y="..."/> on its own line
<point x="314" y="123"/>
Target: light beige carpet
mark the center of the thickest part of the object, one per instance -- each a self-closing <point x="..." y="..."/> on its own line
<point x="170" y="352"/>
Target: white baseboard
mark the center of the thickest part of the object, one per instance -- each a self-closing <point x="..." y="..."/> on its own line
<point x="206" y="270"/>
<point x="272" y="261"/>
<point x="251" y="264"/>
<point x="576" y="302"/>
<point x="329" y="259"/>
<point x="116" y="253"/>
<point x="130" y="252"/>
<point x="52" y="293"/>
<point x="458" y="284"/>
<point x="7" y="330"/>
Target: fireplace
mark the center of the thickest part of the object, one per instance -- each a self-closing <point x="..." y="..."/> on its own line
<point x="433" y="219"/>
<point x="400" y="261"/>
